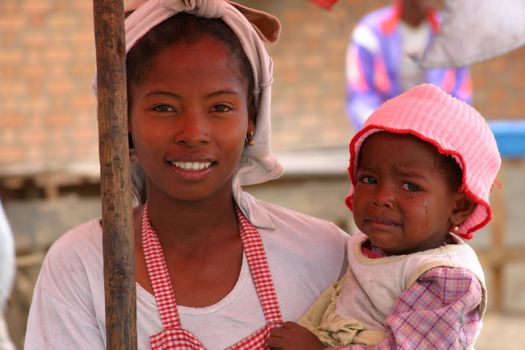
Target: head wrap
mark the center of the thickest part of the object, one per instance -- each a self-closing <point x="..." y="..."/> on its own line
<point x="253" y="28"/>
<point x="454" y="128"/>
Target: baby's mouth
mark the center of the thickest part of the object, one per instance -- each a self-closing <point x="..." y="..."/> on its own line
<point x="381" y="221"/>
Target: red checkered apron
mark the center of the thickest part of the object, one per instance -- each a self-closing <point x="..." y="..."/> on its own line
<point x="173" y="336"/>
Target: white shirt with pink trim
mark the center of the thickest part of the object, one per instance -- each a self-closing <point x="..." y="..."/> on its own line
<point x="305" y="256"/>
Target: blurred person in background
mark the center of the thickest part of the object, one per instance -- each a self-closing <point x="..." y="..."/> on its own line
<point x="381" y="58"/>
<point x="7" y="272"/>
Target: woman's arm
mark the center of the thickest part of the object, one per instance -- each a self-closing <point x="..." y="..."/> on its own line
<point x="54" y="324"/>
<point x="63" y="312"/>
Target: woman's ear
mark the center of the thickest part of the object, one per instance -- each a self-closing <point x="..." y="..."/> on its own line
<point x="249" y="140"/>
<point x="463" y="207"/>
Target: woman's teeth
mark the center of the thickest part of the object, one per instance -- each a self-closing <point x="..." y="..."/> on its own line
<point x="191" y="165"/>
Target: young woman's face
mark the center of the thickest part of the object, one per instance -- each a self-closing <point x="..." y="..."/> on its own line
<point x="189" y="120"/>
<point x="403" y="200"/>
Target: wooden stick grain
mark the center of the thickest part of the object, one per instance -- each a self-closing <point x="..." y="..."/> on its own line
<point x="115" y="184"/>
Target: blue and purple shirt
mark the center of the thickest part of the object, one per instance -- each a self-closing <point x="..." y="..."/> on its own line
<point x="373" y="60"/>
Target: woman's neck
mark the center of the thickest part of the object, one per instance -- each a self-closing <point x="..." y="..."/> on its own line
<point x="193" y="224"/>
<point x="201" y="246"/>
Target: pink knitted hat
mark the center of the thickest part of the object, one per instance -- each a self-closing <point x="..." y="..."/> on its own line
<point x="454" y="128"/>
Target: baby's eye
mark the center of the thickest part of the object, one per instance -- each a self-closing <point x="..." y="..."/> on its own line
<point x="220" y="108"/>
<point x="410" y="187"/>
<point x="163" y="108"/>
<point x="368" y="179"/>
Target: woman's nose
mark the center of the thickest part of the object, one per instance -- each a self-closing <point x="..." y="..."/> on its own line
<point x="192" y="129"/>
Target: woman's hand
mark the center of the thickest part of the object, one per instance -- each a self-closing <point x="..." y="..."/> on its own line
<point x="292" y="336"/>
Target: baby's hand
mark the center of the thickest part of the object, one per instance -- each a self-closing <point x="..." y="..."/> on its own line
<point x="292" y="336"/>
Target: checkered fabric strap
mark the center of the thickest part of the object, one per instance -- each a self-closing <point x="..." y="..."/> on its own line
<point x="179" y="339"/>
<point x="158" y="274"/>
<point x="256" y="341"/>
<point x="173" y="336"/>
<point x="259" y="269"/>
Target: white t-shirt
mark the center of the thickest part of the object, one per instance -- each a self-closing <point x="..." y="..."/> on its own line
<point x="305" y="256"/>
<point x="414" y="40"/>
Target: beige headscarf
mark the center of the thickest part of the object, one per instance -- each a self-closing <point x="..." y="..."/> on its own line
<point x="253" y="28"/>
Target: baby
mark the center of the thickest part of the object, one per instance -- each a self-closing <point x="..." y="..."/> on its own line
<point x="421" y="171"/>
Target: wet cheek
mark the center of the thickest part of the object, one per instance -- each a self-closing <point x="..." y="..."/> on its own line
<point x="414" y="198"/>
<point x="423" y="207"/>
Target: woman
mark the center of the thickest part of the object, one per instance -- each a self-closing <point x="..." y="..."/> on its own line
<point x="215" y="267"/>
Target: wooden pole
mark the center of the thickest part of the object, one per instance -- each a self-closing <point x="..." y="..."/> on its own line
<point x="115" y="183"/>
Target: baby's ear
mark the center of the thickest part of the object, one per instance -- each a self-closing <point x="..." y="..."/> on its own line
<point x="463" y="207"/>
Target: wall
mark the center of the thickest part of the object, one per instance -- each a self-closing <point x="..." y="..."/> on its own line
<point x="47" y="61"/>
<point x="47" y="112"/>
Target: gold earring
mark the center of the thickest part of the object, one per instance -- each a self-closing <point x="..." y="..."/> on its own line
<point x="249" y="139"/>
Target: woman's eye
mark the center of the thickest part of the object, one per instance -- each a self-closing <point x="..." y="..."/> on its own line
<point x="368" y="180"/>
<point x="221" y="108"/>
<point x="410" y="187"/>
<point x="163" y="108"/>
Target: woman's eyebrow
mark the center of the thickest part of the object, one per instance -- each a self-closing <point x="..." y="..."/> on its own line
<point x="163" y="93"/>
<point x="223" y="92"/>
<point x="174" y="95"/>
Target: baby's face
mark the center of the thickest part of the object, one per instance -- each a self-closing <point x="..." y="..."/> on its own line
<point x="402" y="200"/>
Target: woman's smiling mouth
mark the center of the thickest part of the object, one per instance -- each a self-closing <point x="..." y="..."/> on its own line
<point x="191" y="166"/>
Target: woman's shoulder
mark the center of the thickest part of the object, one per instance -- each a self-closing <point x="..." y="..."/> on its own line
<point x="300" y="226"/>
<point x="69" y="290"/>
<point x="89" y="232"/>
<point x="280" y="213"/>
<point x="80" y="245"/>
